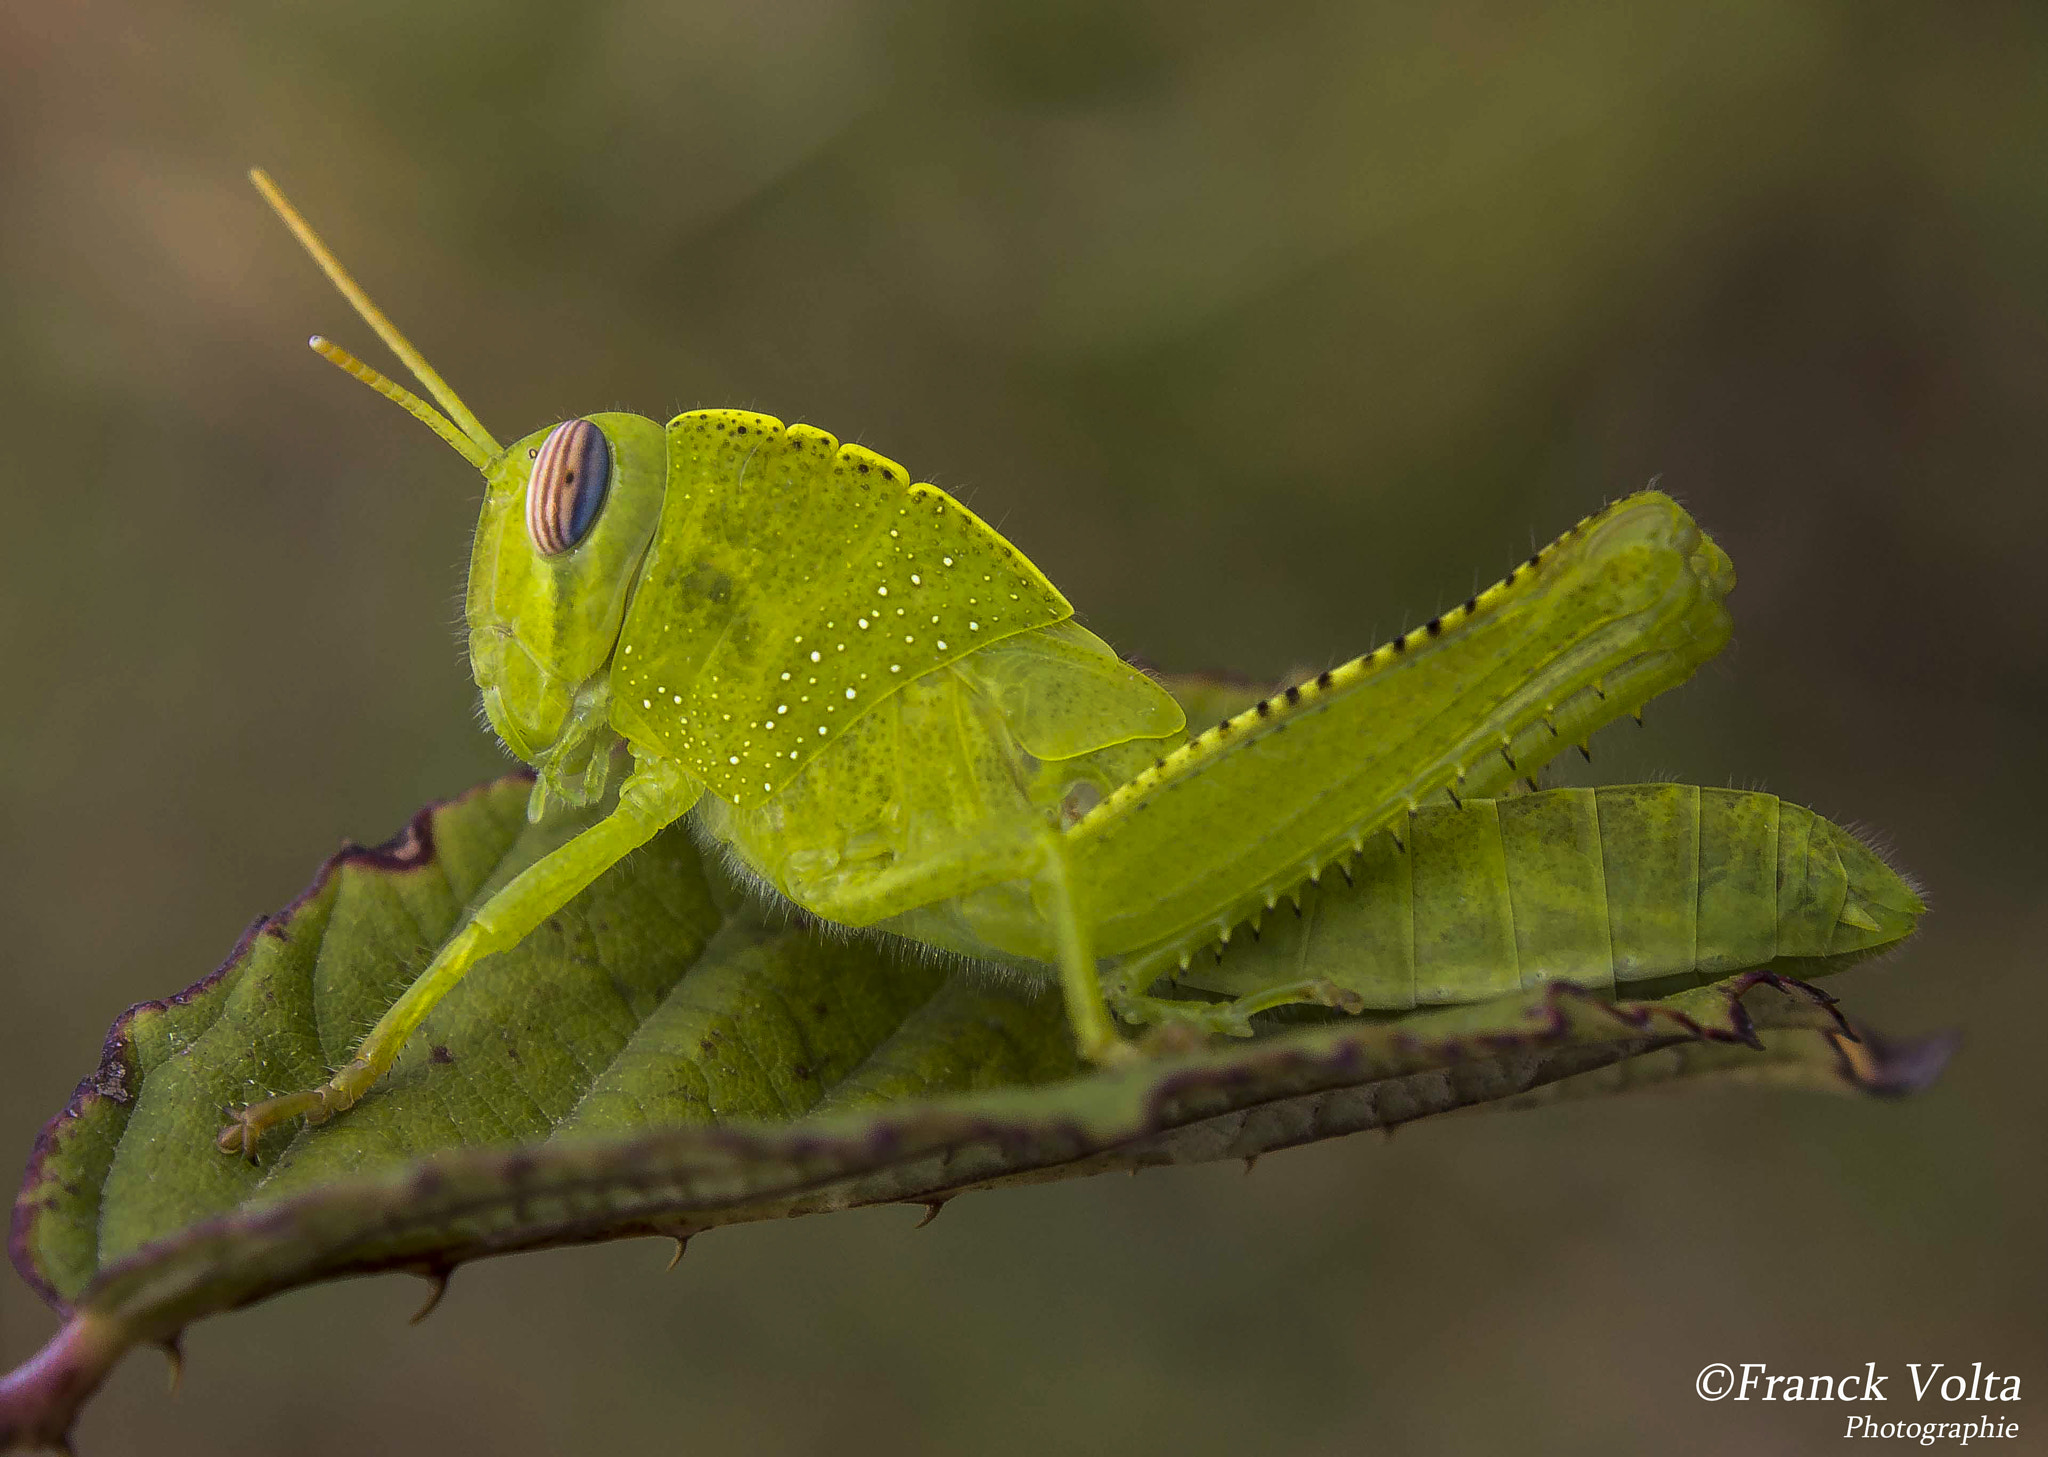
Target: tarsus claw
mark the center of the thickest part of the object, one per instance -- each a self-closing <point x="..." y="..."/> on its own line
<point x="337" y="1095"/>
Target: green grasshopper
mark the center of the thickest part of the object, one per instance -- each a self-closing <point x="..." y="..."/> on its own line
<point x="883" y="713"/>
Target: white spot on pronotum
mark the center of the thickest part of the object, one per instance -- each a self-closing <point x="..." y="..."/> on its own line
<point x="767" y="786"/>
<point x="895" y="667"/>
<point x="863" y="622"/>
<point x="974" y="627"/>
<point x="935" y="617"/>
<point x="881" y="591"/>
<point x="647" y="703"/>
<point x="947" y="560"/>
<point x="769" y="724"/>
<point x="734" y="759"/>
<point x="821" y="731"/>
<point x="916" y="580"/>
<point x="942" y="645"/>
<point x="849" y="693"/>
<point x="678" y="698"/>
<point x="814" y="655"/>
<point x="782" y="708"/>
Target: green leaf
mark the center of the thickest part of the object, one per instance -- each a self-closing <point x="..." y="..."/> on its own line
<point x="665" y="1056"/>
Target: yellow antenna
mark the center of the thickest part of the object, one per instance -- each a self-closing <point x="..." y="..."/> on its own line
<point x="404" y="398"/>
<point x="466" y="433"/>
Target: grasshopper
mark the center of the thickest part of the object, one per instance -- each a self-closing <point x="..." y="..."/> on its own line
<point x="883" y="713"/>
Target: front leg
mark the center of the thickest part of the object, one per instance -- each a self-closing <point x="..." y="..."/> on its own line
<point x="656" y="794"/>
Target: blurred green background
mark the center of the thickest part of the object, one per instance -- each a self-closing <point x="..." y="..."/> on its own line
<point x="1266" y="331"/>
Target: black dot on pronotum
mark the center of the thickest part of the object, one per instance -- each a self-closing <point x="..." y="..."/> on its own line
<point x="1512" y="575"/>
<point x="1436" y="626"/>
<point x="739" y="430"/>
<point x="1265" y="707"/>
<point x="1323" y="679"/>
<point x="1471" y="605"/>
<point x="1294" y="694"/>
<point x="1399" y="644"/>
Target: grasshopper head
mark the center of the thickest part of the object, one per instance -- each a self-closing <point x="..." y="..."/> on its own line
<point x="566" y="519"/>
<point x="567" y="516"/>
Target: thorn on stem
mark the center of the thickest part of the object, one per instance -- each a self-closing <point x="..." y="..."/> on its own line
<point x="1251" y="1161"/>
<point x="1586" y="752"/>
<point x="682" y="1244"/>
<point x="931" y="1212"/>
<point x="1345" y="871"/>
<point x="173" y="1347"/>
<point x="438" y="1278"/>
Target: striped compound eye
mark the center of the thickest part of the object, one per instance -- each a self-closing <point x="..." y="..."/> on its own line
<point x="572" y="471"/>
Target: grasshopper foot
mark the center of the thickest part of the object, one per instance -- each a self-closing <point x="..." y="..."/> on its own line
<point x="337" y="1095"/>
<point x="248" y="1125"/>
<point x="1178" y="1022"/>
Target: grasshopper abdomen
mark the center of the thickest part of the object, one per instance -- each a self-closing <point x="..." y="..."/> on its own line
<point x="1607" y="888"/>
